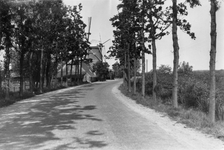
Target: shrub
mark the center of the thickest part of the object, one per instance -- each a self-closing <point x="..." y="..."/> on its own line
<point x="193" y="88"/>
<point x="185" y="68"/>
<point x="164" y="85"/>
<point x="193" y="93"/>
<point x="220" y="102"/>
<point x="101" y="69"/>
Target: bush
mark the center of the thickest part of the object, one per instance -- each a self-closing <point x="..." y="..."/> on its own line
<point x="193" y="93"/>
<point x="101" y="69"/>
<point x="164" y="86"/>
<point x="193" y="89"/>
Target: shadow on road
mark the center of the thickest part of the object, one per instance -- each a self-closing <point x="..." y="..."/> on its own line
<point x="35" y="126"/>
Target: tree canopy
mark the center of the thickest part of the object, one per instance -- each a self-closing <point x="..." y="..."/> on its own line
<point x="39" y="36"/>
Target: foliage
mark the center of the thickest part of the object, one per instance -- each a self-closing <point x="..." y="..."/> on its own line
<point x="45" y="33"/>
<point x="190" y="117"/>
<point x="185" y="68"/>
<point x="118" y="70"/>
<point x="164" y="69"/>
<point x="193" y="89"/>
<point x="101" y="69"/>
<point x="193" y="93"/>
<point x="133" y="18"/>
<point x="127" y="25"/>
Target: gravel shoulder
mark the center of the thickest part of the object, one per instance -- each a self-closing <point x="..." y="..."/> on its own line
<point x="191" y="138"/>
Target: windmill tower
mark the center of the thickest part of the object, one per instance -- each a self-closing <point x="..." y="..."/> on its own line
<point x="101" y="46"/>
<point x="89" y="23"/>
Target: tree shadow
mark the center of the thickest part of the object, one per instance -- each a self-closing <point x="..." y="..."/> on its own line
<point x="34" y="127"/>
<point x="91" y="143"/>
<point x="94" y="132"/>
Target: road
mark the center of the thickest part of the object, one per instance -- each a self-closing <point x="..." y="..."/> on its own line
<point x="93" y="116"/>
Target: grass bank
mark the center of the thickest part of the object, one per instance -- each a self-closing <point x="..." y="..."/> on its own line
<point x="192" y="118"/>
<point x="15" y="97"/>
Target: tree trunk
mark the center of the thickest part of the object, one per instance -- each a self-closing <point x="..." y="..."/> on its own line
<point x="66" y="73"/>
<point x="31" y="72"/>
<point x="61" y="73"/>
<point x="135" y="72"/>
<point x="143" y="52"/>
<point x="176" y="56"/>
<point x="55" y="72"/>
<point x="154" y="70"/>
<point x="124" y="70"/>
<point x="153" y="59"/>
<point x="143" y="72"/>
<point x="80" y="72"/>
<point x="129" y="69"/>
<point x="77" y="68"/>
<point x="44" y="72"/>
<point x="7" y="71"/>
<point x="71" y="67"/>
<point x="213" y="35"/>
<point x="21" y="74"/>
<point x="48" y="72"/>
<point x="72" y="62"/>
<point x="41" y="70"/>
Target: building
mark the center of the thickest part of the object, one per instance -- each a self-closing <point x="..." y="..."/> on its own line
<point x="95" y="54"/>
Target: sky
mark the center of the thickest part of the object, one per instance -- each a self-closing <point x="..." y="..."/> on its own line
<point x="196" y="52"/>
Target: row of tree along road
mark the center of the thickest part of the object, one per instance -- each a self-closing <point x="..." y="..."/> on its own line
<point x="145" y="21"/>
<point x="38" y="38"/>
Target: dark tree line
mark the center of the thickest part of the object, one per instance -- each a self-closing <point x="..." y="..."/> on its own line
<point x="38" y="39"/>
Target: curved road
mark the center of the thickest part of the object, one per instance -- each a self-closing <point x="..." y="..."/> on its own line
<point x="93" y="116"/>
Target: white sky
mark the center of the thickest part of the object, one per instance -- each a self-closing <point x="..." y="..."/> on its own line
<point x="196" y="52"/>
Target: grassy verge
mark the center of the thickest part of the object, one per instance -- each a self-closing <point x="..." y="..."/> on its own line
<point x="15" y="97"/>
<point x="190" y="117"/>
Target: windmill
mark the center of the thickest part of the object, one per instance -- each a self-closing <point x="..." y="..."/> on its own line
<point x="97" y="51"/>
<point x="89" y="23"/>
<point x="86" y="64"/>
<point x="101" y="45"/>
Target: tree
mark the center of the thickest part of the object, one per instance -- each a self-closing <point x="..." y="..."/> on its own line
<point x="101" y="69"/>
<point x="143" y="46"/>
<point x="158" y="23"/>
<point x="23" y="33"/>
<point x="128" y="37"/>
<point x="48" y="15"/>
<point x="185" y="68"/>
<point x="40" y="35"/>
<point x="136" y="67"/>
<point x="6" y="28"/>
<point x="46" y="33"/>
<point x="121" y="42"/>
<point x="143" y="21"/>
<point x="176" y="55"/>
<point x="213" y="34"/>
<point x="42" y="25"/>
<point x="185" y="26"/>
<point x="164" y="69"/>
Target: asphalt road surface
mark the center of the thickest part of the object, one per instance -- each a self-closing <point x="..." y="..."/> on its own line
<point x="94" y="116"/>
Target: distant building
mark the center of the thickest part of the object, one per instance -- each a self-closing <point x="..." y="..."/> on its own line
<point x="95" y="54"/>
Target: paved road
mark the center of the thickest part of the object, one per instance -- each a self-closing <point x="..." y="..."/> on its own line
<point x="91" y="116"/>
